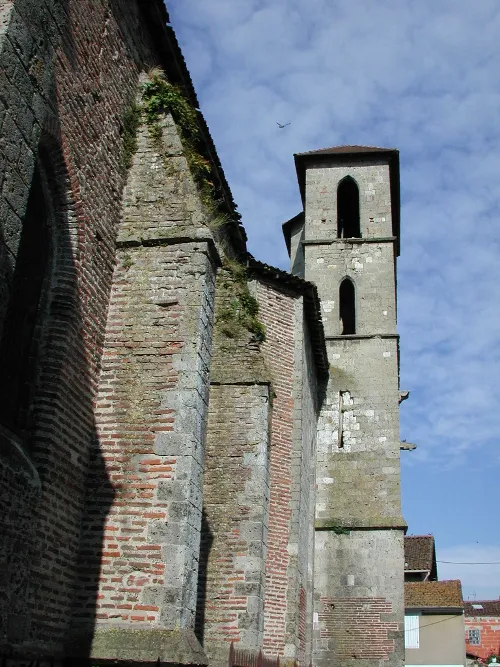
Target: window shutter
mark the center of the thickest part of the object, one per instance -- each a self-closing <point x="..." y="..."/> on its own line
<point x="412" y="631"/>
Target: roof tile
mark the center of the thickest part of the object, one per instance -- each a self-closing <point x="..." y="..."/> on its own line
<point x="342" y="150"/>
<point x="433" y="594"/>
<point x="489" y="608"/>
<point x="419" y="552"/>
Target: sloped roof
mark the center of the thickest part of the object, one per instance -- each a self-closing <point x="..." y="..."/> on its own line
<point x="489" y="608"/>
<point x="342" y="150"/>
<point x="428" y="594"/>
<point x="420" y="554"/>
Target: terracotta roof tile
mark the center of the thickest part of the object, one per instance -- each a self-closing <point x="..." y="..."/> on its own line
<point x="419" y="552"/>
<point x="489" y="608"/>
<point x="433" y="594"/>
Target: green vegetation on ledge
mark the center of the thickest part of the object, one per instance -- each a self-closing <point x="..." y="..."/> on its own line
<point x="131" y="123"/>
<point x="239" y="309"/>
<point x="160" y="97"/>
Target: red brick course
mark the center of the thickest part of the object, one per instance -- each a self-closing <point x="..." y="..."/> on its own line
<point x="489" y="627"/>
<point x="356" y="627"/>
<point x="277" y="314"/>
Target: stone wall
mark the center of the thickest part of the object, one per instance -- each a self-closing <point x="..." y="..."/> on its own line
<point x="236" y="514"/>
<point x="359" y="528"/>
<point x="358" y="436"/>
<point x="277" y="313"/>
<point x="370" y="266"/>
<point x="358" y="612"/>
<point x="151" y="410"/>
<point x="236" y="483"/>
<point x="372" y="176"/>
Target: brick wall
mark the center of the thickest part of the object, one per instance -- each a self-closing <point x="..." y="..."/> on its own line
<point x="489" y="627"/>
<point x="356" y="628"/>
<point x="277" y="314"/>
<point x="306" y="420"/>
<point x="287" y="351"/>
<point x="69" y="71"/>
<point x="236" y="488"/>
<point x="149" y="343"/>
<point x="236" y="507"/>
<point x="289" y="575"/>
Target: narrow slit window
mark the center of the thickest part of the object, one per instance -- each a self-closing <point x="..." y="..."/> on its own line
<point x="348" y="225"/>
<point x="347" y="307"/>
<point x="19" y="344"/>
<point x="340" y="443"/>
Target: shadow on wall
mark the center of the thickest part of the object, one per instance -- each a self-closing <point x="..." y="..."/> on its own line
<point x="205" y="548"/>
<point x="48" y="371"/>
<point x="49" y="445"/>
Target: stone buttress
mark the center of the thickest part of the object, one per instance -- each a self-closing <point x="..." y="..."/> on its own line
<point x="151" y="414"/>
<point x="257" y="539"/>
<point x="346" y="243"/>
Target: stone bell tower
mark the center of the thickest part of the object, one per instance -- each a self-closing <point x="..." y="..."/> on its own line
<point x="346" y="242"/>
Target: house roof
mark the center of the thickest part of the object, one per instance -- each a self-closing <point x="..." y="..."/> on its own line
<point x="420" y="554"/>
<point x="487" y="608"/>
<point x="429" y="594"/>
<point x="363" y="154"/>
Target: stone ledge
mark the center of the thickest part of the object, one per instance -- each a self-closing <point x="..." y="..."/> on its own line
<point x="363" y="336"/>
<point x="344" y="525"/>
<point x="148" y="646"/>
<point x="139" y="241"/>
<point x="366" y="239"/>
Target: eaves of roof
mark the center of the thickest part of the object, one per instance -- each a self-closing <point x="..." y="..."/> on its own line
<point x="488" y="608"/>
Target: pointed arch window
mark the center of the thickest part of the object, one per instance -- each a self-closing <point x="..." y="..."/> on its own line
<point x="348" y="225"/>
<point x="21" y="331"/>
<point x="347" y="307"/>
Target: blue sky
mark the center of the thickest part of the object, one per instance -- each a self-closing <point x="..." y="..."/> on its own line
<point x="423" y="77"/>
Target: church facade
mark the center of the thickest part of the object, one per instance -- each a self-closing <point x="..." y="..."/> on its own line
<point x="198" y="450"/>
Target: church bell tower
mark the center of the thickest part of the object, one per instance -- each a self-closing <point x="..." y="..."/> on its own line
<point x="347" y="242"/>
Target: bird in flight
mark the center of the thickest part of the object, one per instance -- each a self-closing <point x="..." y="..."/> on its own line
<point x="281" y="126"/>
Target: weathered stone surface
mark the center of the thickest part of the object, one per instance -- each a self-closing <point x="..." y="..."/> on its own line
<point x="357" y="464"/>
<point x="145" y="646"/>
